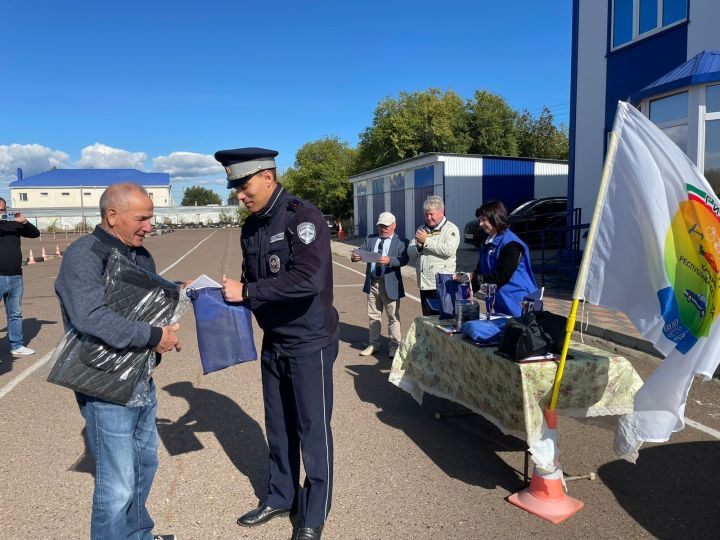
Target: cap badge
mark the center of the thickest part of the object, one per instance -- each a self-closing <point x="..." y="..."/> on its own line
<point x="306" y="232"/>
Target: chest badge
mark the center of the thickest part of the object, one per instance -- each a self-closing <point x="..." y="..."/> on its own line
<point x="306" y="232"/>
<point x="274" y="262"/>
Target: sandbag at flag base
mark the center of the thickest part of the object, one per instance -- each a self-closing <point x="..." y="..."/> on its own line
<point x="655" y="258"/>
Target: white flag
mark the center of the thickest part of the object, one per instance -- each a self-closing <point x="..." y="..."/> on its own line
<point x="656" y="258"/>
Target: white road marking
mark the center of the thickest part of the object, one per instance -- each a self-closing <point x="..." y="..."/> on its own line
<point x="40" y="363"/>
<point x="363" y="275"/>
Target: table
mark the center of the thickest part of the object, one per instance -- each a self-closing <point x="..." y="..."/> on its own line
<point x="509" y="394"/>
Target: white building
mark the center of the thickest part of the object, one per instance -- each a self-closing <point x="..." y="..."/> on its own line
<point x="662" y="56"/>
<point x="464" y="181"/>
<point x="81" y="188"/>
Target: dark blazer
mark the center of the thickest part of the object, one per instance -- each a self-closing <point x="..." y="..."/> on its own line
<point x="398" y="258"/>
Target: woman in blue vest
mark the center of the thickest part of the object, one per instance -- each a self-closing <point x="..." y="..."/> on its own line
<point x="504" y="260"/>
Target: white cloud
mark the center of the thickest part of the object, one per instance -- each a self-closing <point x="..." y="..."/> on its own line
<point x="31" y="158"/>
<point x="188" y="166"/>
<point x="100" y="156"/>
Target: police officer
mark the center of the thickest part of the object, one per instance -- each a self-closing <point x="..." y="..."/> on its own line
<point x="287" y="280"/>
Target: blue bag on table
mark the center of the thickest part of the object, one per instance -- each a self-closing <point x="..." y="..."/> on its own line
<point x="447" y="290"/>
<point x="486" y="332"/>
<point x="224" y="329"/>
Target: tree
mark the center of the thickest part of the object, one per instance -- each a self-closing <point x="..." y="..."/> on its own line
<point x="232" y="199"/>
<point x="320" y="174"/>
<point x="200" y="196"/>
<point x="413" y="124"/>
<point x="539" y="138"/>
<point x="491" y="125"/>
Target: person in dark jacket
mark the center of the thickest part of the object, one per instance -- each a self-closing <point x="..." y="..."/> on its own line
<point x="504" y="260"/>
<point x="383" y="282"/>
<point x="123" y="440"/>
<point x="11" y="278"/>
<point x="288" y="284"/>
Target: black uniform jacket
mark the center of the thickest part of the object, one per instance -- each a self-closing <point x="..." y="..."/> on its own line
<point x="287" y="269"/>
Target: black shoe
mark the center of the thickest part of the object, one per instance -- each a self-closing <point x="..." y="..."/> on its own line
<point x="262" y="514"/>
<point x="309" y="533"/>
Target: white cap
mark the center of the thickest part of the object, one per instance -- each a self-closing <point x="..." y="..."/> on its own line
<point x="386" y="218"/>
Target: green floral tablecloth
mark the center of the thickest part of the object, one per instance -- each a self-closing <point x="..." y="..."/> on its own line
<point x="509" y="394"/>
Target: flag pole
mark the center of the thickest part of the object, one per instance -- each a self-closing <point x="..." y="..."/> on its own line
<point x="584" y="266"/>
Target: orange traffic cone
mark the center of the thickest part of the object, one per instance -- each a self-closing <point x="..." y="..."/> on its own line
<point x="31" y="259"/>
<point x="42" y="254"/>
<point x="57" y="251"/>
<point x="546" y="496"/>
<point x="341" y="233"/>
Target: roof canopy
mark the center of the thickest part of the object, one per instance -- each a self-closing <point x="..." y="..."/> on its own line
<point x="91" y="178"/>
<point x="700" y="69"/>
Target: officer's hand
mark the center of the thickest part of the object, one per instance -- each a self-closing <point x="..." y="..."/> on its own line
<point x="232" y="289"/>
<point x="169" y="340"/>
<point x="384" y="260"/>
<point x="20" y="218"/>
<point x="354" y="257"/>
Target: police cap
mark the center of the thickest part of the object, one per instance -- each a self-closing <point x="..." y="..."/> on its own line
<point x="242" y="163"/>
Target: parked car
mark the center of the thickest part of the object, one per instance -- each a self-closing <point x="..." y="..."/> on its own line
<point x="527" y="220"/>
<point x="531" y="217"/>
<point x="332" y="224"/>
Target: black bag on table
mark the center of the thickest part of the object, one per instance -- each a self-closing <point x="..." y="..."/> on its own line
<point x="532" y="334"/>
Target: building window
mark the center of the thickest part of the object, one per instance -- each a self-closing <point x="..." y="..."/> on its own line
<point x="670" y="114"/>
<point x="65" y="194"/>
<point x="43" y="193"/>
<point x="712" y="99"/>
<point x="712" y="137"/>
<point x="86" y="193"/>
<point x="633" y="20"/>
<point x="23" y="197"/>
<point x="150" y="194"/>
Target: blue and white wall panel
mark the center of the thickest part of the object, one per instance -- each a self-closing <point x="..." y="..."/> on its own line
<point x="463" y="187"/>
<point x="551" y="179"/>
<point x="703" y="26"/>
<point x="589" y="128"/>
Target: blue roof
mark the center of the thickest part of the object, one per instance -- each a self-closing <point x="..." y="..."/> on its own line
<point x="91" y="178"/>
<point x="700" y="69"/>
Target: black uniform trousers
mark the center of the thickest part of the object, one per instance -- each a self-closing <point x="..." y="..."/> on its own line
<point x="298" y="395"/>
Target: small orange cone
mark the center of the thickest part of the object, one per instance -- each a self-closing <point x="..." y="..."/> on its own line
<point x="57" y="251"/>
<point x="341" y="233"/>
<point x="546" y="496"/>
<point x="42" y="254"/>
<point x="31" y="259"/>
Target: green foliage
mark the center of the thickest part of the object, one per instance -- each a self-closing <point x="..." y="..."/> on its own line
<point x="232" y="199"/>
<point x="413" y="124"/>
<point x="53" y="228"/>
<point x="200" y="195"/>
<point x="491" y="124"/>
<point x="539" y="138"/>
<point x="320" y="174"/>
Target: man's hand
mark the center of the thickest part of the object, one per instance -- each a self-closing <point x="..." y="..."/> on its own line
<point x="420" y="236"/>
<point x="232" y="289"/>
<point x="20" y="218"/>
<point x="384" y="260"/>
<point x="169" y="340"/>
<point x="354" y="257"/>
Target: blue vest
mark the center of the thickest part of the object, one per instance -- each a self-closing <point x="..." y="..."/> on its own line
<point x="509" y="297"/>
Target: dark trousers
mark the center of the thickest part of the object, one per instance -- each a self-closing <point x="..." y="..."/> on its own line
<point x="424" y="295"/>
<point x="298" y="395"/>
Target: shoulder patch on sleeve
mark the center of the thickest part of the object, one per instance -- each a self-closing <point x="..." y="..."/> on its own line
<point x="306" y="232"/>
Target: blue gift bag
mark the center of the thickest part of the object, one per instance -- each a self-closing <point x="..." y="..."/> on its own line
<point x="224" y="330"/>
<point x="449" y="293"/>
<point x="483" y="331"/>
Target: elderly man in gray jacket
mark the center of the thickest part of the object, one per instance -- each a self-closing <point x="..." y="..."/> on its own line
<point x="433" y="249"/>
<point x="383" y="282"/>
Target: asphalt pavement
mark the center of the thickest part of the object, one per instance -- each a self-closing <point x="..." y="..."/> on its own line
<point x="399" y="472"/>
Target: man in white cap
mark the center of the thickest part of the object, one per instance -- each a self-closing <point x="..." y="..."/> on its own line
<point x="383" y="282"/>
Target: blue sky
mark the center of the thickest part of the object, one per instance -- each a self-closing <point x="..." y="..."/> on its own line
<point x="161" y="86"/>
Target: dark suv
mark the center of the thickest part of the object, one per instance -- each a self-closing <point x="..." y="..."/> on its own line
<point x="332" y="224"/>
<point x="527" y="220"/>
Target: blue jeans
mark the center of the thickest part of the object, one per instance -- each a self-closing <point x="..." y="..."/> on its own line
<point x="124" y="442"/>
<point x="11" y="291"/>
